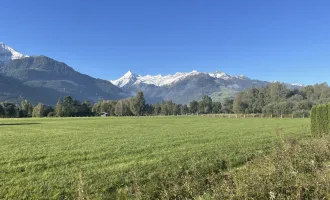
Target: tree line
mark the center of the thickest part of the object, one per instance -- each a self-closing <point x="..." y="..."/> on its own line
<point x="275" y="99"/>
<point x="137" y="106"/>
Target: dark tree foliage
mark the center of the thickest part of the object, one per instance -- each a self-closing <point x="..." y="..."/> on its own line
<point x="70" y="107"/>
<point x="193" y="108"/>
<point x="2" y="111"/>
<point x="9" y="110"/>
<point x="184" y="109"/>
<point x="148" y="109"/>
<point x="274" y="99"/>
<point x="205" y="105"/>
<point x="277" y="99"/>
<point x="138" y="104"/>
<point x="157" y="109"/>
<point x="227" y="106"/>
<point x="177" y="109"/>
<point x="216" y="107"/>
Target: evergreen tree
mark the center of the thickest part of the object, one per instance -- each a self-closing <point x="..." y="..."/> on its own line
<point x="68" y="107"/>
<point x="59" y="108"/>
<point x="149" y="109"/>
<point x="138" y="104"/>
<point x="47" y="110"/>
<point x="157" y="109"/>
<point x="2" y="111"/>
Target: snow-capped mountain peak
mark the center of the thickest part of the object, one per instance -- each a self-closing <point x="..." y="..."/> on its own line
<point x="130" y="78"/>
<point x="129" y="74"/>
<point x="7" y="53"/>
<point x="221" y="75"/>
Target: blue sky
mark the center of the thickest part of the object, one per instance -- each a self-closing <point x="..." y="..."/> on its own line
<point x="286" y="40"/>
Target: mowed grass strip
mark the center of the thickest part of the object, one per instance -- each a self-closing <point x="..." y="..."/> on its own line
<point x="103" y="158"/>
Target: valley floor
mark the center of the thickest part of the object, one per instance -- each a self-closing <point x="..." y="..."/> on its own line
<point x="133" y="157"/>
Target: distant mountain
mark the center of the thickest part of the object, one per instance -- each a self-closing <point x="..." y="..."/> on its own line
<point x="183" y="87"/>
<point x="60" y="79"/>
<point x="42" y="79"/>
<point x="13" y="90"/>
<point x="7" y="54"/>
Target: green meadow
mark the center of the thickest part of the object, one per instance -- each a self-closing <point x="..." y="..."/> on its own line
<point x="130" y="158"/>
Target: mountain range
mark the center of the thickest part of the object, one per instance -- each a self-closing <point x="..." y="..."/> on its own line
<point x="183" y="87"/>
<point x="42" y="79"/>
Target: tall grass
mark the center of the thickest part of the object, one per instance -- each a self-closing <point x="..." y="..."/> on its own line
<point x="295" y="169"/>
<point x="137" y="158"/>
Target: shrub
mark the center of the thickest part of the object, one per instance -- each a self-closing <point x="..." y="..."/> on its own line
<point x="322" y="119"/>
<point x="328" y="117"/>
<point x="314" y="130"/>
<point x="51" y="114"/>
<point x="295" y="169"/>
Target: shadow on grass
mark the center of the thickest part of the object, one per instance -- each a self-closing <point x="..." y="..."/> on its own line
<point x="18" y="124"/>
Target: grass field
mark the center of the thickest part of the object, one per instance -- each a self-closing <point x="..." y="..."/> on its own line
<point x="145" y="158"/>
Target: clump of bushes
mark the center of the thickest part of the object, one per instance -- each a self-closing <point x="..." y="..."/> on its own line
<point x="51" y="114"/>
<point x="294" y="169"/>
<point x="320" y="116"/>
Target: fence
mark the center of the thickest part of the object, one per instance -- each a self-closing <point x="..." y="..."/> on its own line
<point x="254" y="115"/>
<point x="238" y="115"/>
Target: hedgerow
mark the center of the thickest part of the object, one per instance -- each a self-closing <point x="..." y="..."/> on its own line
<point x="320" y="120"/>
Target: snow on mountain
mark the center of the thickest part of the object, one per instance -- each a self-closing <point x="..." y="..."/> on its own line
<point x="7" y="53"/>
<point x="130" y="79"/>
<point x="221" y="75"/>
<point x="294" y="85"/>
<point x="298" y="84"/>
<point x="160" y="80"/>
